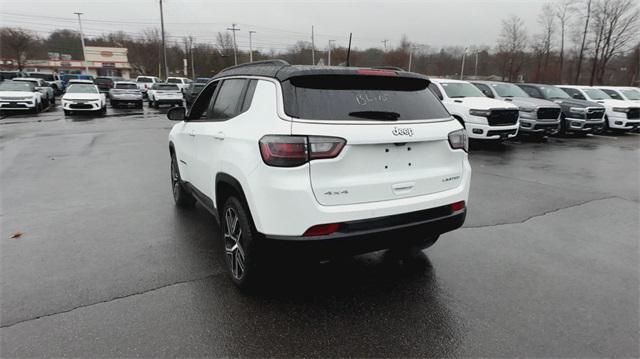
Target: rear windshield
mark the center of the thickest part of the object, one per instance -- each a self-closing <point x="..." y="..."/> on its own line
<point x="46" y="77"/>
<point x="144" y="79"/>
<point x="360" y="98"/>
<point x="16" y="86"/>
<point x="82" y="88"/>
<point x="174" y="81"/>
<point x="168" y="87"/>
<point x="127" y="86"/>
<point x="103" y="80"/>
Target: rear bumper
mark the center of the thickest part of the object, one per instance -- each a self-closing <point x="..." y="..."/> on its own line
<point x="373" y="234"/>
<point x="172" y="101"/>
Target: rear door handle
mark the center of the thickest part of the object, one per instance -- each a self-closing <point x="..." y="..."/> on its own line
<point x="219" y="136"/>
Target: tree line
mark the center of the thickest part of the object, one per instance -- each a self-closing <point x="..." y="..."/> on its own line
<point x="579" y="41"/>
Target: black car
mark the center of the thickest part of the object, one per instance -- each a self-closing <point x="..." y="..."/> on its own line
<point x="105" y="83"/>
<point x="578" y="116"/>
<point x="192" y="91"/>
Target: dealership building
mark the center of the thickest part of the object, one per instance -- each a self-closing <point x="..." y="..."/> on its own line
<point x="101" y="61"/>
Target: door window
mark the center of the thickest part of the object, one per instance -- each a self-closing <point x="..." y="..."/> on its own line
<point x="228" y="100"/>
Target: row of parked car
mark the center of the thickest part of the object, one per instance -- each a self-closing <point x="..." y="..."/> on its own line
<point x="498" y="110"/>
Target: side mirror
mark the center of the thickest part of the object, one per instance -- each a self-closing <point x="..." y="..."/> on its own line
<point x="177" y="114"/>
<point x="577" y="96"/>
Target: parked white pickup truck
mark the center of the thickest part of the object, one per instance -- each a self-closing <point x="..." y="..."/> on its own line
<point x="182" y="82"/>
<point x="483" y="117"/>
<point x="165" y="94"/>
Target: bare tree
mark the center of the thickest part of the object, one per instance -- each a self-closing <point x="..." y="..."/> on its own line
<point x="616" y="26"/>
<point x="512" y="41"/>
<point x="584" y="42"/>
<point x="16" y="42"/>
<point x="543" y="42"/>
<point x="562" y="12"/>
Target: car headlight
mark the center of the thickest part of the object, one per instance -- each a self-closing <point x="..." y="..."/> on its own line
<point x="578" y="110"/>
<point x="621" y="109"/>
<point x="481" y="113"/>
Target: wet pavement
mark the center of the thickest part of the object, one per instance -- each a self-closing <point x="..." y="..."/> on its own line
<point x="546" y="265"/>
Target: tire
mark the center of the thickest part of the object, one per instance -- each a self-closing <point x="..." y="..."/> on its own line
<point x="67" y="112"/>
<point x="605" y="126"/>
<point x="53" y="101"/>
<point x="181" y="197"/>
<point x="150" y="104"/>
<point x="103" y="109"/>
<point x="563" y="127"/>
<point x="156" y="104"/>
<point x="239" y="241"/>
<point x="140" y="104"/>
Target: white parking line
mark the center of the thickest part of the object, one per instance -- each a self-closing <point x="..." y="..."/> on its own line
<point x="607" y="137"/>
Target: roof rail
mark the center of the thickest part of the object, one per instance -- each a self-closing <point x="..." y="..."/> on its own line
<point x="276" y="62"/>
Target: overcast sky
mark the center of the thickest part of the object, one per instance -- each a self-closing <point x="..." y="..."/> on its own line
<point x="281" y="23"/>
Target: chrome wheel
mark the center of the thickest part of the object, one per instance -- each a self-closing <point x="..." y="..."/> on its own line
<point x="234" y="253"/>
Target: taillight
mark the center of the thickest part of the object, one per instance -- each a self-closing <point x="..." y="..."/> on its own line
<point x="292" y="151"/>
<point x="455" y="207"/>
<point x="458" y="140"/>
<point x="322" y="230"/>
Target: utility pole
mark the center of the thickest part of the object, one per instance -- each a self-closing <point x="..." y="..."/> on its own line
<point x="385" y="44"/>
<point x="411" y="48"/>
<point x="251" y="46"/>
<point x="475" y="72"/>
<point x="193" y="68"/>
<point x="464" y="55"/>
<point x="329" y="53"/>
<point x="313" y="47"/>
<point x="164" y="46"/>
<point x="233" y="29"/>
<point x="84" y="53"/>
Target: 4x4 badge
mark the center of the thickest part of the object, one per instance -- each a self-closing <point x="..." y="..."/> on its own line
<point x="402" y="131"/>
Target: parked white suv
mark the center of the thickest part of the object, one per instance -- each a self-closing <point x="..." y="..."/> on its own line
<point x="483" y="117"/>
<point x="324" y="160"/>
<point x="182" y="82"/>
<point x="619" y="115"/>
<point x="145" y="82"/>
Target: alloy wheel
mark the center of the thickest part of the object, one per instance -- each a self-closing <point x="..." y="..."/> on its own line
<point x="234" y="252"/>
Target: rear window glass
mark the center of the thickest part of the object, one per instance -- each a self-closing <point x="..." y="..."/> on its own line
<point x="144" y="79"/>
<point x="361" y="98"/>
<point x="174" y="81"/>
<point x="46" y="77"/>
<point x="168" y="87"/>
<point x="127" y="86"/>
<point x="632" y="94"/>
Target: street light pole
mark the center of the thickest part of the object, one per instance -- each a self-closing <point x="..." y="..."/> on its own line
<point x="329" y="53"/>
<point x="251" y="46"/>
<point x="313" y="47"/>
<point x="164" y="46"/>
<point x="475" y="72"/>
<point x="233" y="29"/>
<point x="84" y="53"/>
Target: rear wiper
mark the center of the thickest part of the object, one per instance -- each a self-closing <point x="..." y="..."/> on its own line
<point x="457" y="96"/>
<point x="376" y="115"/>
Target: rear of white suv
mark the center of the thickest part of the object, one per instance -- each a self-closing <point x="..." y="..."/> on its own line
<point x="325" y="161"/>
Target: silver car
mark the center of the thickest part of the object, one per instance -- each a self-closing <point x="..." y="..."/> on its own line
<point x="125" y="93"/>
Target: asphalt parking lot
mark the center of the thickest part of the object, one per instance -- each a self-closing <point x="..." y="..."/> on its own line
<point x="545" y="266"/>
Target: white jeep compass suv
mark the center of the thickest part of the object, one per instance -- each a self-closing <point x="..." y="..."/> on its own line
<point x="320" y="160"/>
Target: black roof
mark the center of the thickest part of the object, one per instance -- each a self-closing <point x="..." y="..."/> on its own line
<point x="282" y="70"/>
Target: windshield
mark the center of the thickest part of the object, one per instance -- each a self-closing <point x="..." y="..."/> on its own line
<point x="631" y="94"/>
<point x="595" y="94"/>
<point x="553" y="93"/>
<point x="361" y="98"/>
<point x="509" y="90"/>
<point x="174" y="81"/>
<point x="79" y="88"/>
<point x="197" y="86"/>
<point x="461" y="89"/>
<point x="127" y="86"/>
<point x="144" y="79"/>
<point x="46" y="77"/>
<point x="165" y="87"/>
<point x="17" y="86"/>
